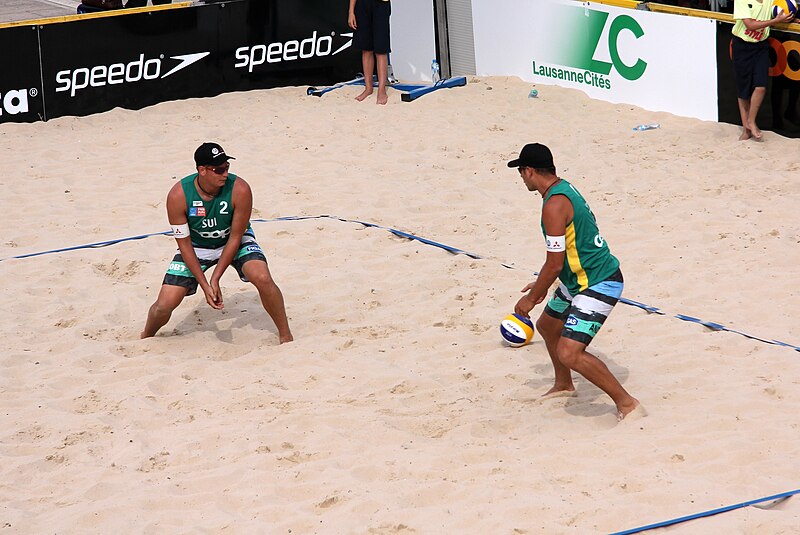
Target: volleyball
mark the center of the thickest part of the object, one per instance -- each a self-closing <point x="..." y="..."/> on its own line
<point x="516" y="330"/>
<point x="785" y="6"/>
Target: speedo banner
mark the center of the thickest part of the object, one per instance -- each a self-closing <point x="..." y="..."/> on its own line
<point x="780" y="111"/>
<point x="134" y="60"/>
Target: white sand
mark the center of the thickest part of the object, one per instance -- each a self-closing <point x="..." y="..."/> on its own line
<point x="396" y="410"/>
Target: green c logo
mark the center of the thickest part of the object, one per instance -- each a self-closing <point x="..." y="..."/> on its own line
<point x="589" y="25"/>
<point x="625" y="22"/>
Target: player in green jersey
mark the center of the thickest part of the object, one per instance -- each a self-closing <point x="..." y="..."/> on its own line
<point x="591" y="281"/>
<point x="209" y="212"/>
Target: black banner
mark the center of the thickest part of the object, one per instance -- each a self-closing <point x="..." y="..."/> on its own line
<point x="135" y="60"/>
<point x="21" y="98"/>
<point x="780" y="111"/>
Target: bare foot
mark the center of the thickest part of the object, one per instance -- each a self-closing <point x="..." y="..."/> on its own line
<point x="757" y="135"/>
<point x="745" y="134"/>
<point x="558" y="392"/>
<point x="631" y="411"/>
<point x="286" y="338"/>
<point x="383" y="98"/>
<point x="364" y="94"/>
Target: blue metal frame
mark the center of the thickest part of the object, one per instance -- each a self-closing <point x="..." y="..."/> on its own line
<point x="410" y="91"/>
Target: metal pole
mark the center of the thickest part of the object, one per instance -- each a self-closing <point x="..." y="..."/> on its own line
<point x="442" y="39"/>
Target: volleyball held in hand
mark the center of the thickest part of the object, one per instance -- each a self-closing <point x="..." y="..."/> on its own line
<point x="784" y="6"/>
<point x="516" y="330"/>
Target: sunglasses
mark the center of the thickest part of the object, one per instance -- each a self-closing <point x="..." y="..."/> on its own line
<point x="220" y="170"/>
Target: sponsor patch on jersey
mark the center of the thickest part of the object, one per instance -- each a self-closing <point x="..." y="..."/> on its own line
<point x="192" y="212"/>
<point x="201" y="211"/>
<point x="197" y="203"/>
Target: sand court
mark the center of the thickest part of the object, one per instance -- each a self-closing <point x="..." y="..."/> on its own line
<point x="396" y="409"/>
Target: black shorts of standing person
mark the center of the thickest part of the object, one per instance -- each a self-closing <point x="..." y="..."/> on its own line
<point x="143" y="3"/>
<point x="370" y="21"/>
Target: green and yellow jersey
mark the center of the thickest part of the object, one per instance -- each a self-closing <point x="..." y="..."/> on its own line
<point x="588" y="259"/>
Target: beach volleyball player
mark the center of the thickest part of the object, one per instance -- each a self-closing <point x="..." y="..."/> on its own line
<point x="591" y="281"/>
<point x="209" y="212"/>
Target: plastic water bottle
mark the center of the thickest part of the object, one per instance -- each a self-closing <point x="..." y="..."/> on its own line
<point x="533" y="94"/>
<point x="435" y="75"/>
<point x="643" y="127"/>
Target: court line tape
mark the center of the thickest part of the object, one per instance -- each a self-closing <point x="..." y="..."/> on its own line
<point x="647" y="308"/>
<point x="776" y="497"/>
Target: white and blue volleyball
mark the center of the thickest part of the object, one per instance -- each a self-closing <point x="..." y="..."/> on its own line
<point x="516" y="330"/>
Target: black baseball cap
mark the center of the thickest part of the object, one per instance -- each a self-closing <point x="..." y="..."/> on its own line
<point x="533" y="155"/>
<point x="211" y="154"/>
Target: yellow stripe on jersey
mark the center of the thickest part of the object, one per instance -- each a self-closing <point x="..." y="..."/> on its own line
<point x="573" y="260"/>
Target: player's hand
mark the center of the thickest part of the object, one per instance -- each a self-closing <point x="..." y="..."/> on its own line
<point x="351" y="21"/>
<point x="524" y="306"/>
<point x="214" y="298"/>
<point x="784" y="17"/>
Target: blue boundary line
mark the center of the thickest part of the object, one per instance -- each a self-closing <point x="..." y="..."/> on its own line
<point x="711" y="512"/>
<point x="647" y="308"/>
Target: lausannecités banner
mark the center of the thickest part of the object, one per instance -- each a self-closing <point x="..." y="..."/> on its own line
<point x="90" y="65"/>
<point x="656" y="61"/>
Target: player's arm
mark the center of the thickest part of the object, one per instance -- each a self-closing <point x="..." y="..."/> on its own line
<point x="754" y="25"/>
<point x="178" y="220"/>
<point x="242" y="200"/>
<point x="556" y="212"/>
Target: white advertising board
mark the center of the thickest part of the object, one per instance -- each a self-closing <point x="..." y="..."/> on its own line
<point x="413" y="40"/>
<point x="657" y="61"/>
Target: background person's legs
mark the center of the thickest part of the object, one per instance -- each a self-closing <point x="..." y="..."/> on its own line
<point x="755" y="105"/>
<point x="368" y="64"/>
<point x="744" y="113"/>
<point x="383" y="77"/>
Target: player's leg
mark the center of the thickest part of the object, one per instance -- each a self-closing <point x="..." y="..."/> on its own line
<point x="549" y="329"/>
<point x="257" y="272"/>
<point x="550" y="325"/>
<point x="168" y="300"/>
<point x="574" y="355"/>
<point x="178" y="283"/>
<point x="588" y="312"/>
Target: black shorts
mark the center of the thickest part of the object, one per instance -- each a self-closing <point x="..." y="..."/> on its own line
<point x="372" y="26"/>
<point x="751" y="65"/>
